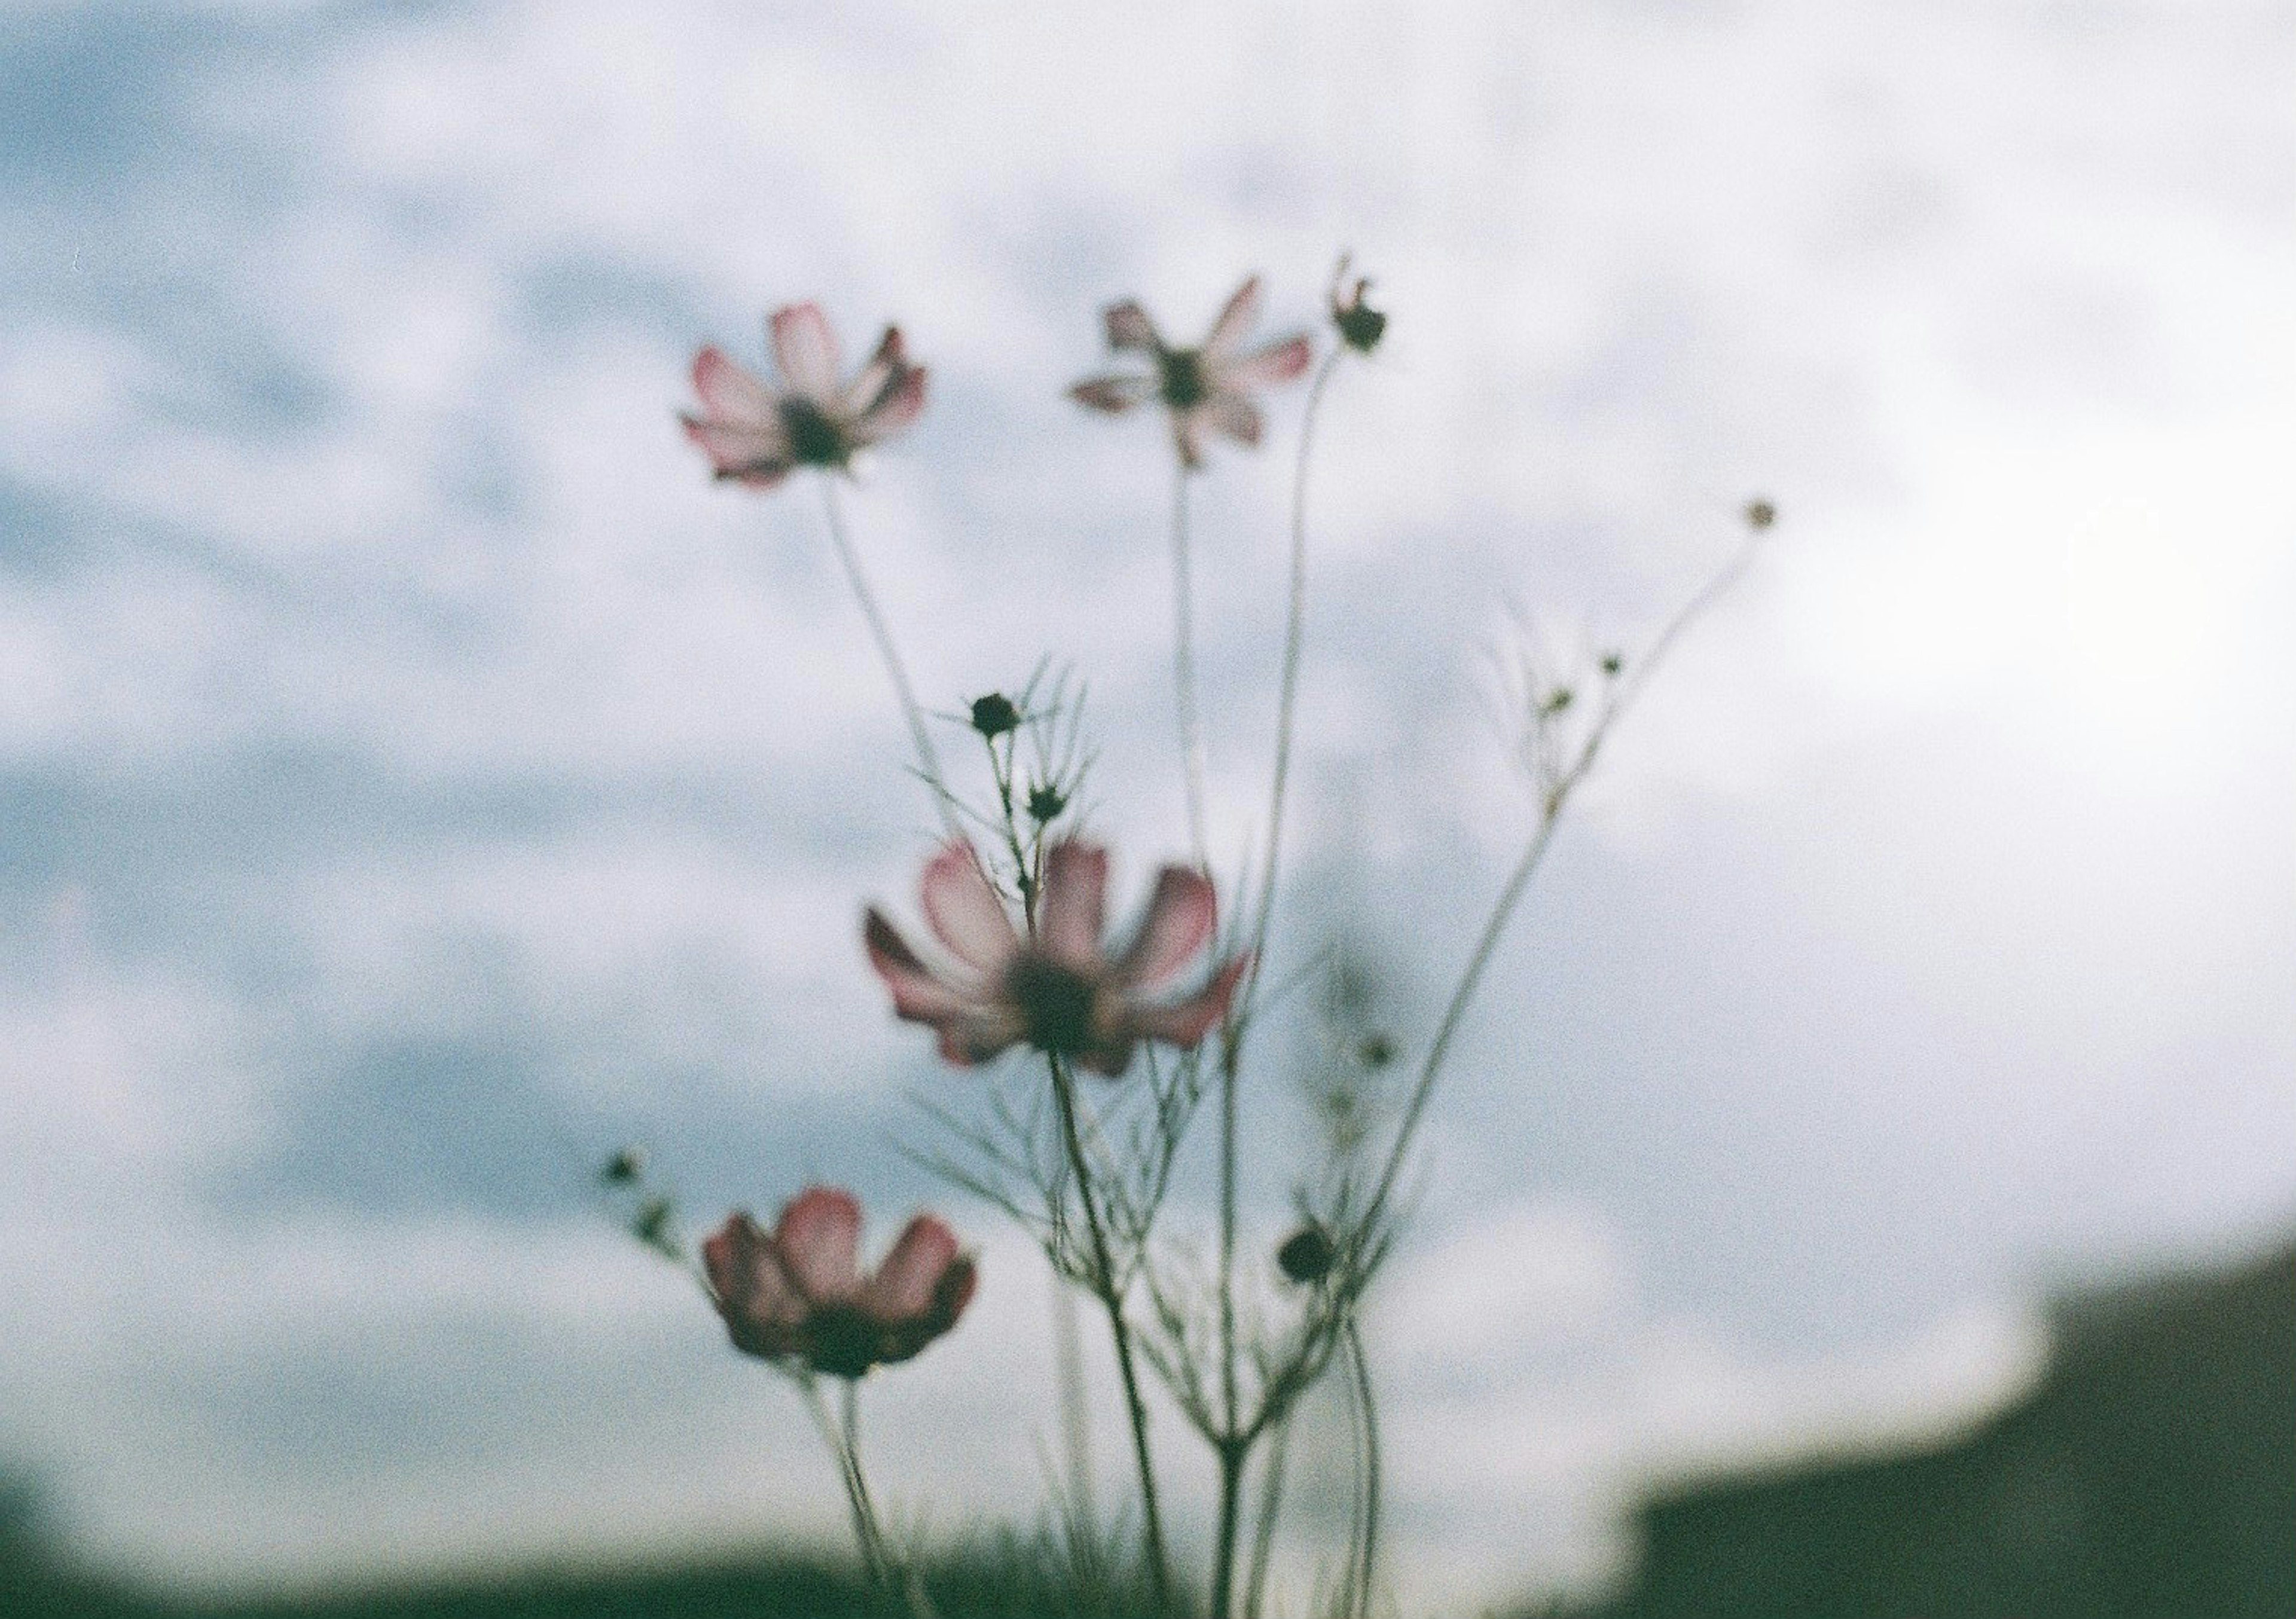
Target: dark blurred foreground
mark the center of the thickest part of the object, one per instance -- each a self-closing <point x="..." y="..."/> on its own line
<point x="2151" y="1475"/>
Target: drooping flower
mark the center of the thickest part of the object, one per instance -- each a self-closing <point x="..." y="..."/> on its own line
<point x="1205" y="389"/>
<point x="797" y="1293"/>
<point x="1061" y="991"/>
<point x="756" y="434"/>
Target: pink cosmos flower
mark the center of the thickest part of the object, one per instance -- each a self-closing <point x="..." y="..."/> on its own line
<point x="756" y="434"/>
<point x="1061" y="992"/>
<point x="799" y="1294"/>
<point x="1206" y="389"/>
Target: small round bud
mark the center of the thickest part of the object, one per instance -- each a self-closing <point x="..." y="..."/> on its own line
<point x="1046" y="803"/>
<point x="993" y="715"/>
<point x="1307" y="1255"/>
<point x="651" y="1224"/>
<point x="1761" y="514"/>
<point x="1557" y="701"/>
<point x="624" y="1168"/>
<point x="1612" y="662"/>
<point x="1360" y="326"/>
<point x="1375" y="1051"/>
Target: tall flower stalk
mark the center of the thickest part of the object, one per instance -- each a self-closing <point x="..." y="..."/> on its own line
<point x="1081" y="1145"/>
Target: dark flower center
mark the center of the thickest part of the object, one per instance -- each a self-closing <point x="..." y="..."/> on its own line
<point x="1056" y="1002"/>
<point x="1181" y="377"/>
<point x="841" y="1341"/>
<point x="814" y="439"/>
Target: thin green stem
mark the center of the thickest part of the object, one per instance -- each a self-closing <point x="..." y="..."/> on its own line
<point x="1271" y="1506"/>
<point x="1288" y="690"/>
<point x="1367" y="1550"/>
<point x="1555" y="799"/>
<point x="1120" y="1330"/>
<point x="1232" y="1454"/>
<point x="865" y="1532"/>
<point x="1183" y="673"/>
<point x="881" y="631"/>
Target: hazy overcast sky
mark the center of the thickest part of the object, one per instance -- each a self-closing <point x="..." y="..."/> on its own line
<point x="416" y="778"/>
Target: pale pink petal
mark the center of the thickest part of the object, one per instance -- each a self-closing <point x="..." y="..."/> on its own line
<point x="1115" y="395"/>
<point x="734" y="394"/>
<point x="1233" y="416"/>
<point x="1111" y="1055"/>
<point x="1266" y="367"/>
<point x="919" y="997"/>
<point x="1235" y="323"/>
<point x="1182" y="914"/>
<point x="1075" y="907"/>
<point x="870" y="382"/>
<point x="904" y="1284"/>
<point x="903" y="1339"/>
<point x="1129" y="328"/>
<point x="755" y="456"/>
<point x="965" y="912"/>
<point x="903" y="401"/>
<point x="819" y="1240"/>
<point x="805" y="350"/>
<point x="977" y="1035"/>
<point x="762" y="1310"/>
<point x="1185" y="1023"/>
<point x="1188" y="437"/>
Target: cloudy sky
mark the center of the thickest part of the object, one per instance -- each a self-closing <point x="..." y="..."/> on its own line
<point x="416" y="778"/>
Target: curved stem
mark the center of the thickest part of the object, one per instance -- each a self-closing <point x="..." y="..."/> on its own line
<point x="1556" y="799"/>
<point x="1288" y="691"/>
<point x="928" y="760"/>
<point x="1183" y="673"/>
<point x="1119" y="1332"/>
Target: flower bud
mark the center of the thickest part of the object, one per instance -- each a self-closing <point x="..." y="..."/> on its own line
<point x="1046" y="803"/>
<point x="1761" y="514"/>
<point x="1360" y="326"/>
<point x="1307" y="1255"/>
<point x="624" y="1168"/>
<point x="993" y="715"/>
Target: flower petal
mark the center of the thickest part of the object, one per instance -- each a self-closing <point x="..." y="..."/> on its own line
<point x="976" y="1037"/>
<point x="1115" y="395"/>
<point x="1188" y="437"/>
<point x="965" y="912"/>
<point x="1182" y="914"/>
<point x="733" y="394"/>
<point x="902" y="402"/>
<point x="1185" y="1023"/>
<point x="1233" y="416"/>
<point x="919" y="995"/>
<point x="1129" y="328"/>
<point x="806" y="350"/>
<point x="1076" y="902"/>
<point x="904" y="1284"/>
<point x="876" y="376"/>
<point x="1235" y="323"/>
<point x="762" y="1310"/>
<point x="1266" y="367"/>
<point x="819" y="1240"/>
<point x="955" y="1291"/>
<point x="755" y="456"/>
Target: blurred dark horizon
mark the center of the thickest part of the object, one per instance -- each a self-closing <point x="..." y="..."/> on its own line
<point x="2151" y="1473"/>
